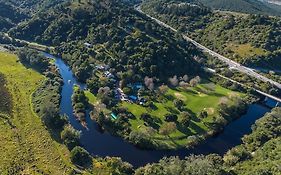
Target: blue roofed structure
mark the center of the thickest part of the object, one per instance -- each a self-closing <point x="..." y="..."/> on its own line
<point x="113" y="116"/>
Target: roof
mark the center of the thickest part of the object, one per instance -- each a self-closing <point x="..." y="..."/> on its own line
<point x="114" y="116"/>
<point x="133" y="97"/>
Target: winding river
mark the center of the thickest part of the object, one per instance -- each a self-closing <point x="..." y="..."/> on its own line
<point x="103" y="144"/>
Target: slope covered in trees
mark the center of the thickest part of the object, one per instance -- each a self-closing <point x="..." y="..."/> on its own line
<point x="245" y="6"/>
<point x="29" y="7"/>
<point x="115" y="34"/>
<point x="253" y="40"/>
<point x="9" y="16"/>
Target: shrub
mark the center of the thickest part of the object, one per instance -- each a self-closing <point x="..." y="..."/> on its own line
<point x="80" y="156"/>
<point x="70" y="137"/>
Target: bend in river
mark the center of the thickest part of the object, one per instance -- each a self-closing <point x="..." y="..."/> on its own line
<point x="103" y="144"/>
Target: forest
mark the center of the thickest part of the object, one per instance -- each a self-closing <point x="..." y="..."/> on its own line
<point x="253" y="40"/>
<point x="136" y="44"/>
<point x="145" y="84"/>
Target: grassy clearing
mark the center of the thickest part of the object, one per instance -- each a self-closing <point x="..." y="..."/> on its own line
<point x="195" y="102"/>
<point x="94" y="101"/>
<point x="246" y="50"/>
<point x="26" y="145"/>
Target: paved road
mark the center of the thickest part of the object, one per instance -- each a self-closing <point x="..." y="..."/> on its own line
<point x="258" y="91"/>
<point x="232" y="64"/>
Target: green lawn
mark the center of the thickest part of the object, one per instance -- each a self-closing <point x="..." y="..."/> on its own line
<point x="195" y="102"/>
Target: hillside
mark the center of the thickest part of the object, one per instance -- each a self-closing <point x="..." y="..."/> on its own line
<point x="253" y="40"/>
<point x="245" y="6"/>
<point x="9" y="16"/>
<point x="117" y="35"/>
<point x="29" y="7"/>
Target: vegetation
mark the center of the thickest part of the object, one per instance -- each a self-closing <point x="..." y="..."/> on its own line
<point x="137" y="48"/>
<point x="259" y="154"/>
<point x="80" y="104"/>
<point x="245" y="6"/>
<point x="253" y="40"/>
<point x="80" y="156"/>
<point x="192" y="165"/>
<point x="260" y="150"/>
<point x="171" y="117"/>
<point x="33" y="59"/>
<point x="26" y="145"/>
<point x="5" y="97"/>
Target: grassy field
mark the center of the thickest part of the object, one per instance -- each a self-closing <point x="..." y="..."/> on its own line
<point x="26" y="145"/>
<point x="246" y="50"/>
<point x="195" y="101"/>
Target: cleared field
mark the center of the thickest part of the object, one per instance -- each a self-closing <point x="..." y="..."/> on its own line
<point x="195" y="101"/>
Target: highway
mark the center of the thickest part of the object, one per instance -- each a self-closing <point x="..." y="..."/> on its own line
<point x="232" y="64"/>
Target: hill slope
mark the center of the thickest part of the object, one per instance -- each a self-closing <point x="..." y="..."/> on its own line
<point x="253" y="40"/>
<point x="246" y="6"/>
<point x="120" y="37"/>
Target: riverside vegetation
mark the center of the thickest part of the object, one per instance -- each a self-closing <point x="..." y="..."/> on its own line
<point x="120" y="53"/>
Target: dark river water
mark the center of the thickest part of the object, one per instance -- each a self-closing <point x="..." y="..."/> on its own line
<point x="103" y="144"/>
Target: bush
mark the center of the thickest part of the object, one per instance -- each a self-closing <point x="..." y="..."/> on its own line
<point x="70" y="137"/>
<point x="171" y="118"/>
<point x="80" y="156"/>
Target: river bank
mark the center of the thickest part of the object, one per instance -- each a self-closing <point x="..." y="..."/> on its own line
<point x="100" y="143"/>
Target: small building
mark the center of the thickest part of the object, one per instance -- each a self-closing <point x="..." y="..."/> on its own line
<point x="133" y="98"/>
<point x="113" y="116"/>
<point x="136" y="86"/>
<point x="109" y="75"/>
<point x="88" y="45"/>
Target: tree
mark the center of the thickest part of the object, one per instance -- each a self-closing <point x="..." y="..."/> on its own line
<point x="185" y="78"/>
<point x="195" y="81"/>
<point x="174" y="81"/>
<point x="127" y="91"/>
<point x="168" y="128"/>
<point x="185" y="118"/>
<point x="171" y="118"/>
<point x="203" y="114"/>
<point x="70" y="136"/>
<point x="80" y="156"/>
<point x="163" y="89"/>
<point x="178" y="104"/>
<point x="51" y="117"/>
<point x="149" y="83"/>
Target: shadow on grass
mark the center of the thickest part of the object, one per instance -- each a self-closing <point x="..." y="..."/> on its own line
<point x="196" y="128"/>
<point x="183" y="129"/>
<point x="172" y="110"/>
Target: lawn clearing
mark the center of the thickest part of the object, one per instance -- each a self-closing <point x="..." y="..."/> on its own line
<point x="195" y="101"/>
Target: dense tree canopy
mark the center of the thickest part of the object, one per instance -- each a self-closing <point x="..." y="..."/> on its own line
<point x="118" y="36"/>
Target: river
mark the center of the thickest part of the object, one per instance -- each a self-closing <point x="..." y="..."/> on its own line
<point x="103" y="144"/>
